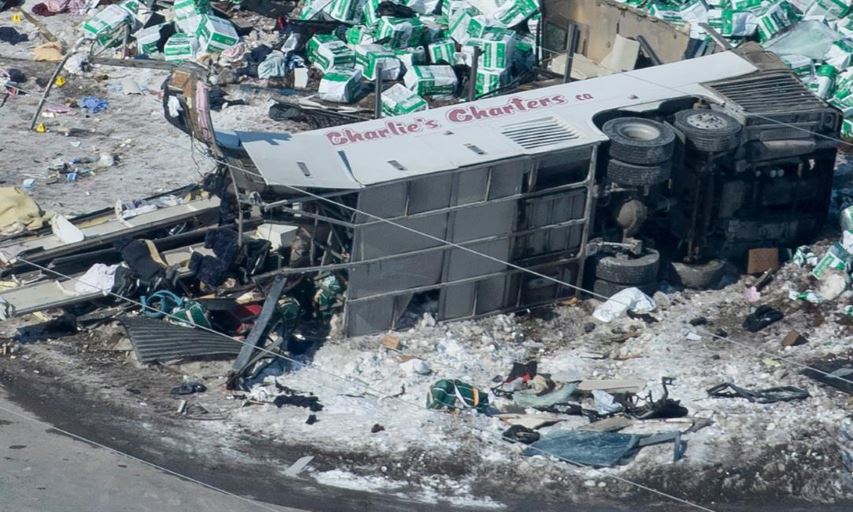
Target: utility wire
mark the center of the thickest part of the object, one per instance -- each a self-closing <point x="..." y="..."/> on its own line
<point x="517" y="267"/>
<point x="529" y="271"/>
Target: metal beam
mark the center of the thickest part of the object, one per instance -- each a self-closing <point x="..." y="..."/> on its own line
<point x="649" y="51"/>
<point x="571" y="48"/>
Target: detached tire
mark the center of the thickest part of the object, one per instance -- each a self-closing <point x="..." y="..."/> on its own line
<point x="639" y="141"/>
<point x="629" y="271"/>
<point x="708" y="130"/>
<point x="632" y="175"/>
<point x="608" y="289"/>
<point x="699" y="276"/>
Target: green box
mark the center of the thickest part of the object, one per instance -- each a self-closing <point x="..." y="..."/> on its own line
<point x="359" y="34"/>
<point x="836" y="257"/>
<point x="497" y="45"/>
<point x="442" y="52"/>
<point x="490" y="80"/>
<point x="513" y="12"/>
<point x="399" y="32"/>
<point x="326" y="51"/>
<point x="775" y="18"/>
<point x="340" y="85"/>
<point x="840" y="54"/>
<point x="185" y="8"/>
<point x="106" y="21"/>
<point x="459" y="23"/>
<point x="348" y="11"/>
<point x="431" y="80"/>
<point x="838" y="8"/>
<point x="179" y="47"/>
<point x="367" y="56"/>
<point x="216" y="34"/>
<point x="147" y="39"/>
<point x="368" y="13"/>
<point x="398" y="100"/>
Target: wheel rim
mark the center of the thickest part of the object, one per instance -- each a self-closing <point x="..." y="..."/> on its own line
<point x="639" y="131"/>
<point x="706" y="121"/>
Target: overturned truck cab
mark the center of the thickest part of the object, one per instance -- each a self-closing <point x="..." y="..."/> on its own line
<point x="520" y="200"/>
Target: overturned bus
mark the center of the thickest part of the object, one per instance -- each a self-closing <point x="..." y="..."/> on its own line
<point x="618" y="181"/>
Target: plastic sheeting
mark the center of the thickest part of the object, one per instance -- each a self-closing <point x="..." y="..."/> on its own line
<point x="811" y="38"/>
<point x="602" y="449"/>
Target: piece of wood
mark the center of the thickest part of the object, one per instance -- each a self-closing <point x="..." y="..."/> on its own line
<point x="391" y="342"/>
<point x="793" y="338"/>
<point x="762" y="260"/>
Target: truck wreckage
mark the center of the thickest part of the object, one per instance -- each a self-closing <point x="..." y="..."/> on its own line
<point x="655" y="173"/>
<point x="591" y="183"/>
<point x="601" y="184"/>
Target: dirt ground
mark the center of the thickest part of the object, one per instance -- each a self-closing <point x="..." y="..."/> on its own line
<point x="782" y="456"/>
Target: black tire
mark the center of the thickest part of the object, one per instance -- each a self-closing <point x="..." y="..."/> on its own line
<point x="708" y="130"/>
<point x="630" y="271"/>
<point x="699" y="276"/>
<point x="632" y="175"/>
<point x="639" y="141"/>
<point x="607" y="289"/>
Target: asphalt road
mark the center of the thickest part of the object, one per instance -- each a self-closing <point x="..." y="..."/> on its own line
<point x="46" y="470"/>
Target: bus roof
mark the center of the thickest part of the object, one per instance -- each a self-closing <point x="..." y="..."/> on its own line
<point x="526" y="123"/>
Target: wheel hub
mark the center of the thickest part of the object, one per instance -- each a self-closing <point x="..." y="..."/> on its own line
<point x="706" y="121"/>
<point x="639" y="131"/>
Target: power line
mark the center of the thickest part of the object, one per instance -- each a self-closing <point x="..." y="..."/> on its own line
<point x="527" y="270"/>
<point x="530" y="271"/>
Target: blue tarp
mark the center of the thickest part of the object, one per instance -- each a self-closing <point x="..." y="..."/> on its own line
<point x="586" y="448"/>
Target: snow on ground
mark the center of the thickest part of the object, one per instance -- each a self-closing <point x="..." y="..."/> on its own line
<point x="791" y="443"/>
<point x="477" y="351"/>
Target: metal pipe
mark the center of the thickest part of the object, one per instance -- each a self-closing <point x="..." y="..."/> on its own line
<point x="649" y="51"/>
<point x="377" y="88"/>
<point x="472" y="79"/>
<point x="50" y="85"/>
<point x="716" y="36"/>
<point x="571" y="49"/>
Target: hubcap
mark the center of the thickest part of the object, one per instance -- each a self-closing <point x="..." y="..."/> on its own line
<point x="706" y="121"/>
<point x="638" y="131"/>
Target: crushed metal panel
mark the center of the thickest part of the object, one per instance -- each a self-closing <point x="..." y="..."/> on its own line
<point x="395" y="274"/>
<point x="369" y="316"/>
<point x="380" y="239"/>
<point x="110" y="230"/>
<point x="491" y="295"/>
<point x="471" y="186"/>
<point x="383" y="201"/>
<point x="42" y="295"/>
<point x="464" y="264"/>
<point x="481" y="221"/>
<point x="156" y="340"/>
<point x="430" y="193"/>
<point x="457" y="301"/>
<point x="308" y="163"/>
<point x="506" y="178"/>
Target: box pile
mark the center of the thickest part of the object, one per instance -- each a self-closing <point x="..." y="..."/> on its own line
<point x="193" y="28"/>
<point x="814" y="37"/>
<point x="423" y="49"/>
